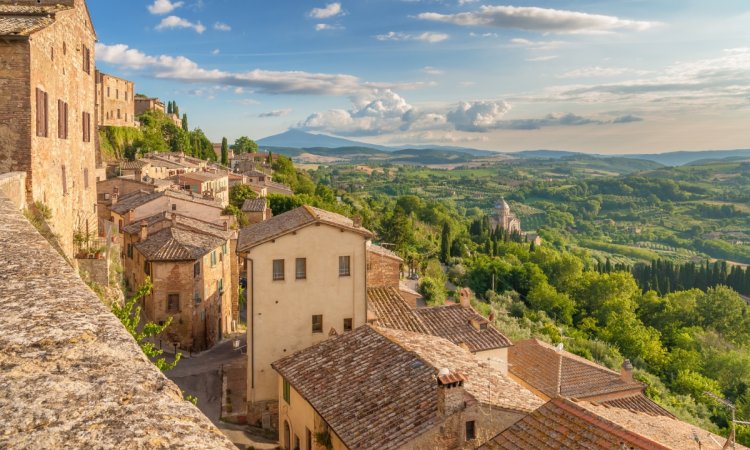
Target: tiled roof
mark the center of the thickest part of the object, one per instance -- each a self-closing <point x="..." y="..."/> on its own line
<point x="162" y="163"/>
<point x="202" y="176"/>
<point x="453" y="322"/>
<point x="254" y="205"/>
<point x="561" y="373"/>
<point x="563" y="425"/>
<point x="178" y="243"/>
<point x="383" y="251"/>
<point x="486" y="384"/>
<point x="391" y="311"/>
<point x="290" y="221"/>
<point x="377" y="388"/>
<point x="24" y="20"/>
<point x="133" y="200"/>
<point x="256" y="173"/>
<point x="372" y="393"/>
<point x="183" y="221"/>
<point x="134" y="165"/>
<point x="637" y="403"/>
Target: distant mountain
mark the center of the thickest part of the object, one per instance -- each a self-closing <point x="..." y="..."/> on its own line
<point x="549" y="154"/>
<point x="682" y="158"/>
<point x="300" y="139"/>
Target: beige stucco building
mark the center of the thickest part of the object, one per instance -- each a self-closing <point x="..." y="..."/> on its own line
<point x="306" y="282"/>
<point x="115" y="101"/>
<point x="209" y="185"/>
<point x="47" y="112"/>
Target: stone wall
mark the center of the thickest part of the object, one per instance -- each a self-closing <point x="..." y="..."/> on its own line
<point x="96" y="269"/>
<point x="115" y="102"/>
<point x="13" y="187"/>
<point x="72" y="376"/>
<point x="382" y="270"/>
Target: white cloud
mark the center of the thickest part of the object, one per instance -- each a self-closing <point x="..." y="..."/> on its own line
<point x="330" y="10"/>
<point x="429" y="70"/>
<point x="215" y="51"/>
<point x="271" y="82"/>
<point x="477" y="116"/>
<point x="466" y="2"/>
<point x="164" y="6"/>
<point x="428" y="36"/>
<point x="537" y="45"/>
<point x="178" y="22"/>
<point x="538" y="19"/>
<point x="542" y="58"/>
<point x="596" y="71"/>
<point x="275" y="113"/>
<point x="220" y="26"/>
<point x="327" y="26"/>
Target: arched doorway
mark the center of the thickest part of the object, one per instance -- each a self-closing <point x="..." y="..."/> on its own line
<point x="287" y="436"/>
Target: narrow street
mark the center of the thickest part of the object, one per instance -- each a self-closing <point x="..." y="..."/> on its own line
<point x="200" y="376"/>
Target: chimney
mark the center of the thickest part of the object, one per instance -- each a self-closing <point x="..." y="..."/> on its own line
<point x="450" y="392"/>
<point x="115" y="196"/>
<point x="131" y="216"/>
<point x="626" y="372"/>
<point x="465" y="297"/>
<point x="491" y="317"/>
<point x="357" y="221"/>
<point x="144" y="230"/>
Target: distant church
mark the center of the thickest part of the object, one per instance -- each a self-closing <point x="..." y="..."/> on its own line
<point x="504" y="218"/>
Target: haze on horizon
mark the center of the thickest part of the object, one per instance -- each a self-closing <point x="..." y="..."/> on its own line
<point x="633" y="76"/>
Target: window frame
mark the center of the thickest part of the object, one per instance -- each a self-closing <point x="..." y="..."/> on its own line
<point x="300" y="275"/>
<point x="470" y="430"/>
<point x="42" y="113"/>
<point x="277" y="275"/>
<point x="348" y="324"/>
<point x="345" y="266"/>
<point x="286" y="389"/>
<point x="197" y="269"/>
<point x="171" y="308"/>
<point x="317" y="326"/>
<point x="62" y="119"/>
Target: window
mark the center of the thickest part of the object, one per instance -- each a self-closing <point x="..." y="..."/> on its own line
<point x="220" y="285"/>
<point x="146" y="267"/>
<point x="86" y="59"/>
<point x="62" y="119"/>
<point x="108" y="93"/>
<point x="174" y="207"/>
<point x="41" y="113"/>
<point x="344" y="266"/>
<point x="278" y="269"/>
<point x="287" y="391"/>
<point x="197" y="269"/>
<point x="117" y="94"/>
<point x="308" y="439"/>
<point x="173" y="303"/>
<point x="86" y="178"/>
<point x="118" y="113"/>
<point x="130" y="249"/>
<point x="86" y="126"/>
<point x="213" y="258"/>
<point x="347" y="324"/>
<point x="471" y="432"/>
<point x="224" y="249"/>
<point x="64" y="180"/>
<point x="126" y="99"/>
<point x="197" y="300"/>
<point x="300" y="268"/>
<point x="317" y="323"/>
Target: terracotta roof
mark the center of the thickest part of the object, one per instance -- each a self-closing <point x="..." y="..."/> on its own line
<point x="377" y="389"/>
<point x="561" y="373"/>
<point x="256" y="173"/>
<point x="637" y="403"/>
<point x="202" y="176"/>
<point x="133" y="165"/>
<point x="289" y="221"/>
<point x="162" y="163"/>
<point x="383" y="251"/>
<point x="24" y="20"/>
<point x="178" y="243"/>
<point x="454" y="322"/>
<point x="391" y="311"/>
<point x="254" y="205"/>
<point x="185" y="222"/>
<point x="133" y="200"/>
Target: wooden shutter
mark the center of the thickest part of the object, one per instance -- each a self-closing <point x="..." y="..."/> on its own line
<point x="65" y="122"/>
<point x="64" y="181"/>
<point x="46" y="115"/>
<point x="60" y="127"/>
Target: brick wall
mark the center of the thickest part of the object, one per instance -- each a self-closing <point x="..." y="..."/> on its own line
<point x="382" y="270"/>
<point x="15" y="109"/>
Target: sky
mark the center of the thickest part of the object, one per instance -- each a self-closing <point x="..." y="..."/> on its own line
<point x="626" y="76"/>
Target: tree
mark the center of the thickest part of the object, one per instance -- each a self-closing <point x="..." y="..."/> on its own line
<point x="175" y="109"/>
<point x="269" y="158"/>
<point x="130" y="316"/>
<point x="239" y="193"/>
<point x="224" y="152"/>
<point x="241" y="218"/>
<point x="185" y="122"/>
<point x="445" y="243"/>
<point x="170" y="107"/>
<point x="244" y="144"/>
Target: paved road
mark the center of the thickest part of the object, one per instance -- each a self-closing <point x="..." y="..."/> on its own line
<point x="200" y="376"/>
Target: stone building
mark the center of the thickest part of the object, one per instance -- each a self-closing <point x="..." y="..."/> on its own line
<point x="258" y="179"/>
<point x="48" y="109"/>
<point x="504" y="218"/>
<point x="115" y="101"/>
<point x="143" y="104"/>
<point x="306" y="281"/>
<point x="209" y="185"/>
<point x="256" y="210"/>
<point x="190" y="266"/>
<point x="377" y="388"/>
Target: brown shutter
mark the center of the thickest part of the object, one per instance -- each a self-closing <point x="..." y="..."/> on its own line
<point x="66" y="120"/>
<point x="46" y="115"/>
<point x="60" y="119"/>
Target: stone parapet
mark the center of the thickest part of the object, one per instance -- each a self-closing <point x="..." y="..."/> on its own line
<point x="70" y="375"/>
<point x="13" y="187"/>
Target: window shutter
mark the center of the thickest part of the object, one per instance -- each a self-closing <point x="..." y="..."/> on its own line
<point x="66" y="120"/>
<point x="46" y="115"/>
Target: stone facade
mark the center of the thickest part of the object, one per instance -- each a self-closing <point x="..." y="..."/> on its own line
<point x="13" y="187"/>
<point x="115" y="102"/>
<point x="47" y="116"/>
<point x="504" y="218"/>
<point x="383" y="268"/>
<point x="143" y="104"/>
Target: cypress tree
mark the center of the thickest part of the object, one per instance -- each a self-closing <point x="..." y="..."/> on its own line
<point x="224" y="152"/>
<point x="445" y="243"/>
<point x="184" y="122"/>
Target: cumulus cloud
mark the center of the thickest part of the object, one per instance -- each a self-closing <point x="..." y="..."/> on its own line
<point x="429" y="70"/>
<point x="275" y="113"/>
<point x="266" y="81"/>
<point x="178" y="22"/>
<point x="428" y="36"/>
<point x="327" y="26"/>
<point x="220" y="26"/>
<point x="163" y="6"/>
<point x="543" y="20"/>
<point x="330" y="10"/>
<point x="628" y="118"/>
<point x="477" y="116"/>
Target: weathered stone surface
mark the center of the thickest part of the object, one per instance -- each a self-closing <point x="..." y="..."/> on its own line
<point x="13" y="186"/>
<point x="70" y="375"/>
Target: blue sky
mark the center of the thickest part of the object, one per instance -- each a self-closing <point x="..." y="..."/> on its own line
<point x="608" y="77"/>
